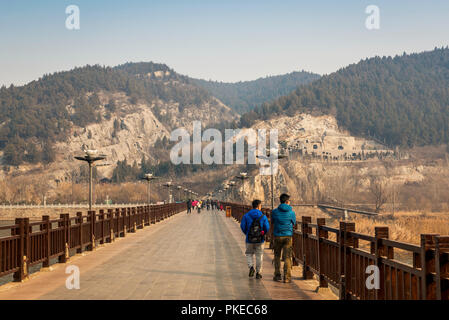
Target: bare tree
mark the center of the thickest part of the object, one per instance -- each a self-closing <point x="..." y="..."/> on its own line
<point x="42" y="187"/>
<point x="379" y="190"/>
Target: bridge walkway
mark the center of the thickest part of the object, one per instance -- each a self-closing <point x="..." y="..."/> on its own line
<point x="188" y="256"/>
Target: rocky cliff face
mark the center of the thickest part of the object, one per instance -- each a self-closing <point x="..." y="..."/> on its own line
<point x="128" y="133"/>
<point x="131" y="132"/>
<point x="312" y="180"/>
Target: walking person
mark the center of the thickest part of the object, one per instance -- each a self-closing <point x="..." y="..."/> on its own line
<point x="198" y="206"/>
<point x="255" y="225"/>
<point x="283" y="220"/>
<point x="189" y="206"/>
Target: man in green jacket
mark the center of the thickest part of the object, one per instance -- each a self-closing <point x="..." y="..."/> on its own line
<point x="283" y="220"/>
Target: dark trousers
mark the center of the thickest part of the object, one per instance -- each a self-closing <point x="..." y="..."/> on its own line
<point x="283" y="246"/>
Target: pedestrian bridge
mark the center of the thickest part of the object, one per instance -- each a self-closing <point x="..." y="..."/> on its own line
<point x="157" y="252"/>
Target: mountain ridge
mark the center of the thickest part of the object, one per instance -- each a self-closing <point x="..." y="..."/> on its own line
<point x="35" y="116"/>
<point x="243" y="96"/>
<point x="402" y="100"/>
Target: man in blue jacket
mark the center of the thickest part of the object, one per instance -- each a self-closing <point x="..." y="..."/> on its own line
<point x="283" y="220"/>
<point x="255" y="237"/>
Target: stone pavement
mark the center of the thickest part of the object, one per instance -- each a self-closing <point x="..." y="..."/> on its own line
<point x="188" y="256"/>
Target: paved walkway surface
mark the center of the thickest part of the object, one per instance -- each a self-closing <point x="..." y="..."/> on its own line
<point x="188" y="256"/>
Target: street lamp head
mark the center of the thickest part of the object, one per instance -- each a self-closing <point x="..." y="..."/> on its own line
<point x="91" y="152"/>
<point x="243" y="174"/>
<point x="90" y="157"/>
<point x="148" y="175"/>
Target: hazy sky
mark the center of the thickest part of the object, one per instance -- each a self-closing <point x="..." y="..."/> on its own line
<point x="221" y="40"/>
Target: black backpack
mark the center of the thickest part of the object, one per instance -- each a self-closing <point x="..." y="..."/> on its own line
<point x="255" y="231"/>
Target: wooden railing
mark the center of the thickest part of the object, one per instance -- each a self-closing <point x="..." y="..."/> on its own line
<point x="32" y="243"/>
<point x="346" y="259"/>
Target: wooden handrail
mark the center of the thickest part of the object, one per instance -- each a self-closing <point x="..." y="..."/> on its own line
<point x="342" y="264"/>
<point x="24" y="244"/>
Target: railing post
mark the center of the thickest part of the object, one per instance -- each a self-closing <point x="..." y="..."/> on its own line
<point x="64" y="224"/>
<point x="128" y="219"/>
<point x="92" y="230"/>
<point x="296" y="246"/>
<point x="101" y="218"/>
<point x="305" y="231"/>
<point x="442" y="267"/>
<point x="142" y="215"/>
<point x="124" y="222"/>
<point x="47" y="228"/>
<point x="146" y="215"/>
<point x="69" y="223"/>
<point x="428" y="285"/>
<point x="22" y="257"/>
<point x="343" y="242"/>
<point x="80" y="235"/>
<point x="111" y="225"/>
<point x="117" y="223"/>
<point x="321" y="234"/>
<point x="270" y="232"/>
<point x="134" y="217"/>
<point x="379" y="250"/>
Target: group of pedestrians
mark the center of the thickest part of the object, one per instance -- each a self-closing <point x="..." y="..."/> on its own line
<point x="255" y="226"/>
<point x="207" y="204"/>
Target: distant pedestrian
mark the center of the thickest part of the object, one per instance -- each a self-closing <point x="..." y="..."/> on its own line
<point x="283" y="220"/>
<point x="189" y="206"/>
<point x="255" y="226"/>
<point x="198" y="206"/>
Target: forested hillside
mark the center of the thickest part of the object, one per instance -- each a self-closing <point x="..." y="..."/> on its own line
<point x="403" y="100"/>
<point x="244" y="96"/>
<point x="34" y="116"/>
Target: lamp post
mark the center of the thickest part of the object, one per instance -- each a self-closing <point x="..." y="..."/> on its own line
<point x="226" y="195"/>
<point x="179" y="192"/>
<point x="90" y="157"/>
<point x="148" y="177"/>
<point x="168" y="185"/>
<point x="267" y="157"/>
<point x="231" y="187"/>
<point x="243" y="176"/>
